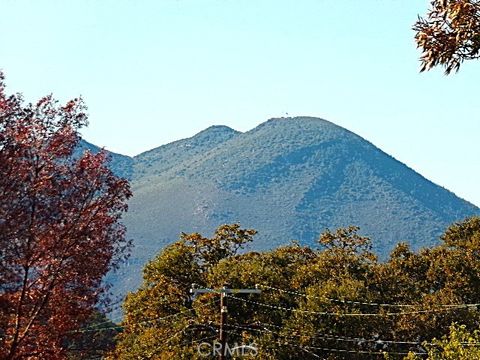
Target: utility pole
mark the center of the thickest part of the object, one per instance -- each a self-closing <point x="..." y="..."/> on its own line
<point x="223" y="309"/>
<point x="223" y="322"/>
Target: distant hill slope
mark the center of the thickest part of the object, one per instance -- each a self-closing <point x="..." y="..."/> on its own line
<point x="121" y="165"/>
<point x="166" y="157"/>
<point x="287" y="178"/>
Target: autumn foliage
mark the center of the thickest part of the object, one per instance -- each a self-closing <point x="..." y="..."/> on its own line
<point x="59" y="226"/>
<point x="449" y="34"/>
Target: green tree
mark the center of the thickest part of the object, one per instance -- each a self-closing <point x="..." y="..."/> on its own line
<point x="158" y="313"/>
<point x="335" y="302"/>
<point x="94" y="339"/>
<point x="459" y="344"/>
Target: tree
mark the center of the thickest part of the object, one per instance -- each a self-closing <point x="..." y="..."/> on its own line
<point x="96" y="337"/>
<point x="162" y="306"/>
<point x="59" y="226"/>
<point x="458" y="344"/>
<point x="449" y="34"/>
<point x="337" y="302"/>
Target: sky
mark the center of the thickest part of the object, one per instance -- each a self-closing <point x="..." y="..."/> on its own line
<point x="152" y="72"/>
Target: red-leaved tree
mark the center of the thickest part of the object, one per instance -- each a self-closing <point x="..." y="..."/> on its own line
<point x="59" y="226"/>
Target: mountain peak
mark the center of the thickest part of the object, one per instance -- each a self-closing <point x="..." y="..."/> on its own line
<point x="288" y="178"/>
<point x="215" y="133"/>
<point x="163" y="158"/>
<point x="302" y="121"/>
<point x="302" y="127"/>
<point x="218" y="129"/>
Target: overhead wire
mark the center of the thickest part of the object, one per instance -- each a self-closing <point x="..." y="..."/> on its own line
<point x="93" y="328"/>
<point x="378" y="341"/>
<point x="339" y="314"/>
<point x="442" y="308"/>
<point x="325" y="336"/>
<point x="296" y="293"/>
<point x="330" y="349"/>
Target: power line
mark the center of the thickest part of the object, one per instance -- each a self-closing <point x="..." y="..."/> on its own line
<point x="188" y="342"/>
<point x="160" y="318"/>
<point x="346" y="339"/>
<point x="327" y="336"/>
<point x="359" y="302"/>
<point x="362" y="351"/>
<point x="277" y="307"/>
<point x="224" y="291"/>
<point x="329" y="349"/>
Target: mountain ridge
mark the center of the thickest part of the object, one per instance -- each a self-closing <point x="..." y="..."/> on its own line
<point x="290" y="179"/>
<point x="85" y="145"/>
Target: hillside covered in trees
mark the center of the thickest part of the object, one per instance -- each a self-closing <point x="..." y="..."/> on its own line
<point x="288" y="178"/>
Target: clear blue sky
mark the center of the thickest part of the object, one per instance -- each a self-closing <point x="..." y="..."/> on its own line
<point x="155" y="71"/>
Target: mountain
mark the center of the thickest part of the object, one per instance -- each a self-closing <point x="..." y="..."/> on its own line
<point x="290" y="179"/>
<point x="121" y="165"/>
<point x="164" y="158"/>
